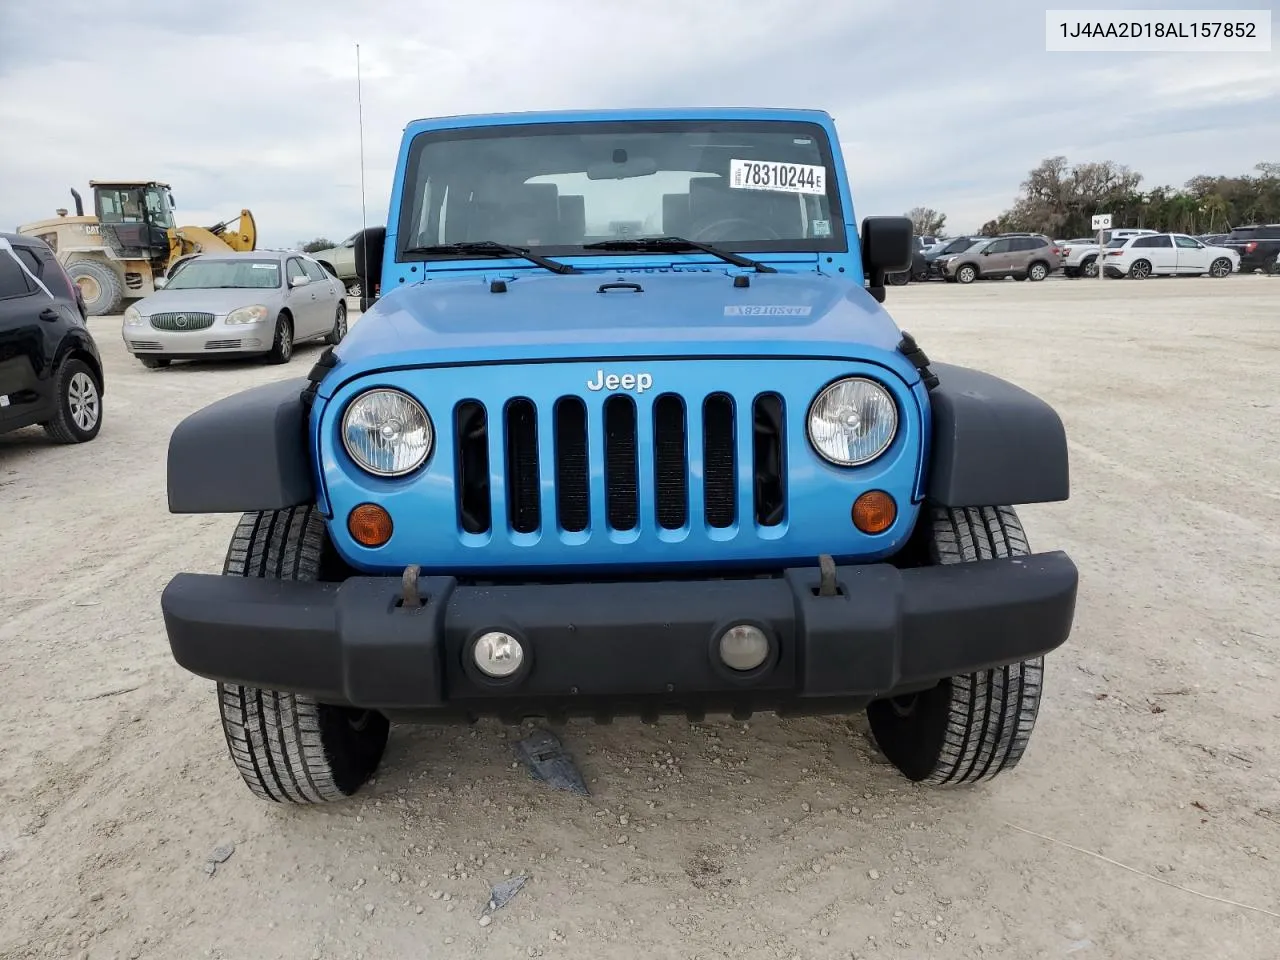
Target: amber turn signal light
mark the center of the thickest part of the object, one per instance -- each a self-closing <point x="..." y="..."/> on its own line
<point x="369" y="525"/>
<point x="874" y="512"/>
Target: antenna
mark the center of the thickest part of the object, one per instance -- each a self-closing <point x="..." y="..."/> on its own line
<point x="364" y="217"/>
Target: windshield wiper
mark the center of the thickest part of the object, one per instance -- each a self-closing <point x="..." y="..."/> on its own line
<point x="493" y="248"/>
<point x="676" y="244"/>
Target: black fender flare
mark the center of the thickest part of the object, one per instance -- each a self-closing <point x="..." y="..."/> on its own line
<point x="246" y="452"/>
<point x="993" y="443"/>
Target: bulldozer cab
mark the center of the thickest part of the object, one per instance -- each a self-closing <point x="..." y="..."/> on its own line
<point x="134" y="217"/>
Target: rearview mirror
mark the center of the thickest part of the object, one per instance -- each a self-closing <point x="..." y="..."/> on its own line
<point x="887" y="247"/>
<point x="159" y="283"/>
<point x="299" y="281"/>
<point x="624" y="170"/>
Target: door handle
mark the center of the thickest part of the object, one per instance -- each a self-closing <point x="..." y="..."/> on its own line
<point x="49" y="313"/>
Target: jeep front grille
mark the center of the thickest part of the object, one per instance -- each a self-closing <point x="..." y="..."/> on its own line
<point x="181" y="322"/>
<point x="562" y="430"/>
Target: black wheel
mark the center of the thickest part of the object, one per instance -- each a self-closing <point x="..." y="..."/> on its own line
<point x="99" y="285"/>
<point x="897" y="279"/>
<point x="968" y="728"/>
<point x="1071" y="272"/>
<point x="155" y="363"/>
<point x="1089" y="266"/>
<point x="1037" y="271"/>
<point x="282" y="341"/>
<point x="1220" y="268"/>
<point x="1140" y="270"/>
<point x="78" y="417"/>
<point x="339" y="325"/>
<point x="967" y="273"/>
<point x="291" y="748"/>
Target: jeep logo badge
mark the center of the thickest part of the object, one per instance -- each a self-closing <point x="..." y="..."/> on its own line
<point x="639" y="382"/>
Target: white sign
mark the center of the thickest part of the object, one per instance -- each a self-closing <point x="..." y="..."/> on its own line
<point x="1102" y="221"/>
<point x="782" y="177"/>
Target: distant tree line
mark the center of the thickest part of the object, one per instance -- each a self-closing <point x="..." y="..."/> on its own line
<point x="1060" y="199"/>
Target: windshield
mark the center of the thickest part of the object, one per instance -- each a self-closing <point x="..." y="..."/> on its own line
<point x="215" y="274"/>
<point x="741" y="185"/>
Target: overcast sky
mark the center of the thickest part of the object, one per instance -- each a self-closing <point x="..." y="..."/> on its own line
<point x="938" y="103"/>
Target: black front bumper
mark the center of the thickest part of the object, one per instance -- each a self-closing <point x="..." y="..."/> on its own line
<point x="598" y="647"/>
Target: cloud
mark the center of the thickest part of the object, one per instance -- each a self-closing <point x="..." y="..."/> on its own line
<point x="254" y="104"/>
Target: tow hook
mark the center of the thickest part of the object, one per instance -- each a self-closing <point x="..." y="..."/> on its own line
<point x="409" y="596"/>
<point x="827" y="576"/>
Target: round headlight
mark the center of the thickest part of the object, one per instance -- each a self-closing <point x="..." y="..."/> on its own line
<point x="387" y="432"/>
<point x="852" y="422"/>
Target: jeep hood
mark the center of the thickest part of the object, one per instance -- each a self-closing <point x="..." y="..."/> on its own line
<point x="675" y="313"/>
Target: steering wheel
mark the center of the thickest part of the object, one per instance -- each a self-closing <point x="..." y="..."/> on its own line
<point x="757" y="230"/>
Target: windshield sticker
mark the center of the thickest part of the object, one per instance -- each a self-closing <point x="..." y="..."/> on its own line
<point x="822" y="228"/>
<point x="768" y="310"/>
<point x="782" y="177"/>
<point x="263" y="266"/>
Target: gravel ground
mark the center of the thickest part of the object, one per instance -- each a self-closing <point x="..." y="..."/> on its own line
<point x="1150" y="787"/>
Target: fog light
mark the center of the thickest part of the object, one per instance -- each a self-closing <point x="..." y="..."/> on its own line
<point x="498" y="654"/>
<point x="743" y="647"/>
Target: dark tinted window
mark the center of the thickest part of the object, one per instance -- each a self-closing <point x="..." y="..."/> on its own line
<point x="32" y="262"/>
<point x="13" y="281"/>
<point x="1267" y="233"/>
<point x="1243" y="233"/>
<point x="999" y="246"/>
<point x="1153" y="242"/>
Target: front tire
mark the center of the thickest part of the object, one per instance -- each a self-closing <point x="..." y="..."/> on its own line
<point x="969" y="728"/>
<point x="966" y="274"/>
<point x="339" y="330"/>
<point x="282" y="341"/>
<point x="290" y="748"/>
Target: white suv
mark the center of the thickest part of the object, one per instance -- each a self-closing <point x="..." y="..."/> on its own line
<point x="1080" y="256"/>
<point x="1168" y="254"/>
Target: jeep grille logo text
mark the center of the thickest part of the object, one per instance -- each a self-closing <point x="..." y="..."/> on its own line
<point x="639" y="382"/>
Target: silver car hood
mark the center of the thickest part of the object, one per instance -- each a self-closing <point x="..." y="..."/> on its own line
<point x="215" y="301"/>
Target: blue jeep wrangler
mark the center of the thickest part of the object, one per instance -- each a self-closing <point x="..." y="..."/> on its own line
<point x="626" y="432"/>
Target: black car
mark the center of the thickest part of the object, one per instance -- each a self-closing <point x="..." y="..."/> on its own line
<point x="50" y="369"/>
<point x="1257" y="245"/>
<point x="919" y="266"/>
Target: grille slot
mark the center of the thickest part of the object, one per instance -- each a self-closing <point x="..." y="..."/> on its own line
<point x="718" y="460"/>
<point x="670" y="462"/>
<point x="222" y="345"/>
<point x="182" y="322"/>
<point x="573" y="500"/>
<point x="145" y="344"/>
<point x="622" y="489"/>
<point x="524" y="511"/>
<point x="768" y="446"/>
<point x="471" y="466"/>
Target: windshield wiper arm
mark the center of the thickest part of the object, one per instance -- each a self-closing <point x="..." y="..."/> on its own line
<point x="675" y="244"/>
<point x="493" y="248"/>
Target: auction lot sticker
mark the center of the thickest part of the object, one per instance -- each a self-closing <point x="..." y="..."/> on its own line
<point x="1164" y="31"/>
<point x="783" y="177"/>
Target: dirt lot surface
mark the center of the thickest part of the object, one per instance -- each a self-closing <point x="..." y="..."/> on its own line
<point x="1154" y="763"/>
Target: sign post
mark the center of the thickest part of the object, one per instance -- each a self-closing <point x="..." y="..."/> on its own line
<point x="1101" y="222"/>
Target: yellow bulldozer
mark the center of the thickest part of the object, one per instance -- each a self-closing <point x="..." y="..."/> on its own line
<point x="131" y="240"/>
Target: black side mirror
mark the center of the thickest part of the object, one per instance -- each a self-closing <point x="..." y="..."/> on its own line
<point x="887" y="247"/>
<point x="367" y="249"/>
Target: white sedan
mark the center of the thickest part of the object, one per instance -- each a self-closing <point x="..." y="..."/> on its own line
<point x="1168" y="254"/>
